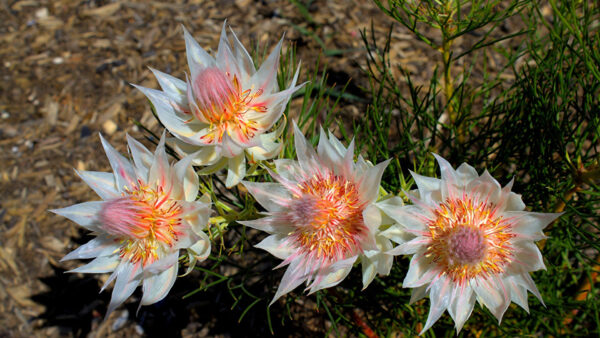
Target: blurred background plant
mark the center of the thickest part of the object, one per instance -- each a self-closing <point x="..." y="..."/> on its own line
<point x="527" y="109"/>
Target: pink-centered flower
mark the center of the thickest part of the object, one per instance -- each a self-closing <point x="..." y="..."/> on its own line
<point x="321" y="215"/>
<point x="471" y="240"/>
<point x="226" y="109"/>
<point x="148" y="213"/>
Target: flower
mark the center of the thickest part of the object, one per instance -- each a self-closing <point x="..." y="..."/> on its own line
<point x="321" y="215"/>
<point x="225" y="109"/>
<point x="148" y="213"/>
<point x="470" y="239"/>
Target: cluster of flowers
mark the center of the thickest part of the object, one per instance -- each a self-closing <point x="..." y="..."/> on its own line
<point x="470" y="238"/>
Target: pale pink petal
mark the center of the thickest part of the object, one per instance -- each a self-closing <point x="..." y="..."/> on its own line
<point x="420" y="271"/>
<point x="440" y="294"/>
<point x="225" y="58"/>
<point x="245" y="63"/>
<point x="429" y="187"/>
<point x="127" y="282"/>
<point x="123" y="170"/>
<point x="518" y="293"/>
<point x="410" y="217"/>
<point x="277" y="246"/>
<point x="288" y="169"/>
<point x="418" y="293"/>
<point x="236" y="170"/>
<point x="410" y="247"/>
<point x="272" y="196"/>
<point x="265" y="77"/>
<point x="142" y="157"/>
<point x="97" y="247"/>
<point x="493" y="294"/>
<point x="530" y="224"/>
<point x="333" y="275"/>
<point x="102" y="183"/>
<point x="461" y="306"/>
<point x="197" y="57"/>
<point x="270" y="225"/>
<point x="293" y="276"/>
<point x="185" y="174"/>
<point x="172" y="86"/>
<point x="529" y="256"/>
<point x="369" y="182"/>
<point x="99" y="265"/>
<point x="84" y="214"/>
<point x="157" y="287"/>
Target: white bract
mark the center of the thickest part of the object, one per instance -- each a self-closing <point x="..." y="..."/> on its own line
<point x="471" y="240"/>
<point x="148" y="213"/>
<point x="226" y="109"/>
<point x="321" y="215"/>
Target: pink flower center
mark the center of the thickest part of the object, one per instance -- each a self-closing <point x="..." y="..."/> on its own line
<point x="145" y="220"/>
<point x="328" y="218"/>
<point x="468" y="239"/>
<point x="466" y="245"/>
<point x="222" y="103"/>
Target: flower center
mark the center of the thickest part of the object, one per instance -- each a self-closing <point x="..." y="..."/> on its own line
<point x="222" y="103"/>
<point x="145" y="220"/>
<point x="468" y="239"/>
<point x="328" y="218"/>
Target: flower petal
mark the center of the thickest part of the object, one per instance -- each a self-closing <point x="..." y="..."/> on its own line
<point x="461" y="306"/>
<point x="122" y="168"/>
<point x="236" y="170"/>
<point x="97" y="247"/>
<point x="272" y="196"/>
<point x="126" y="284"/>
<point x="197" y="57"/>
<point x="84" y="214"/>
<point x="157" y="287"/>
<point x="277" y="246"/>
<point x="99" y="265"/>
<point x="440" y="294"/>
<point x="370" y="181"/>
<point x="102" y="183"/>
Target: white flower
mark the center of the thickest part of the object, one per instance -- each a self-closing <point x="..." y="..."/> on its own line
<point x="226" y="109"/>
<point x="471" y="240"/>
<point x="147" y="215"/>
<point x="321" y="218"/>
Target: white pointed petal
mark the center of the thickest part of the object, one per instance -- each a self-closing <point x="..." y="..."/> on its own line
<point x="244" y="60"/>
<point x="196" y="215"/>
<point x="336" y="143"/>
<point x="269" y="224"/>
<point x="173" y="120"/>
<point x="376" y="262"/>
<point x="102" y="183"/>
<point x="485" y="187"/>
<point x="370" y="181"/>
<point x="277" y="246"/>
<point x="197" y="57"/>
<point x="84" y="214"/>
<point x="162" y="264"/>
<point x="201" y="249"/>
<point x="267" y="150"/>
<point x="372" y="218"/>
<point x="334" y="274"/>
<point x="292" y="277"/>
<point x="157" y="287"/>
<point x="327" y="153"/>
<point x="288" y="169"/>
<point x="529" y="256"/>
<point x="530" y="224"/>
<point x="230" y="148"/>
<point x="420" y="271"/>
<point x="515" y="202"/>
<point x="304" y="151"/>
<point x="466" y="173"/>
<point x="172" y="86"/>
<point x="266" y="76"/>
<point x="418" y="293"/>
<point x="122" y="168"/>
<point x="369" y="270"/>
<point x="410" y="247"/>
<point x="440" y="295"/>
<point x="397" y="234"/>
<point x="236" y="170"/>
<point x="160" y="171"/>
<point x="448" y="173"/>
<point x="225" y="59"/>
<point x="126" y="283"/>
<point x="526" y="281"/>
<point x="99" y="265"/>
<point x="97" y="247"/>
<point x="184" y="172"/>
<point x="410" y="217"/>
<point x="461" y="307"/>
<point x="428" y="187"/>
<point x="518" y="293"/>
<point x="270" y="195"/>
<point x="142" y="157"/>
<point x="492" y="293"/>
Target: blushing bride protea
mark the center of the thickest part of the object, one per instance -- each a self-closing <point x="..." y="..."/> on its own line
<point x="321" y="215"/>
<point x="226" y="109"/>
<point x="471" y="240"/>
<point x="148" y="213"/>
